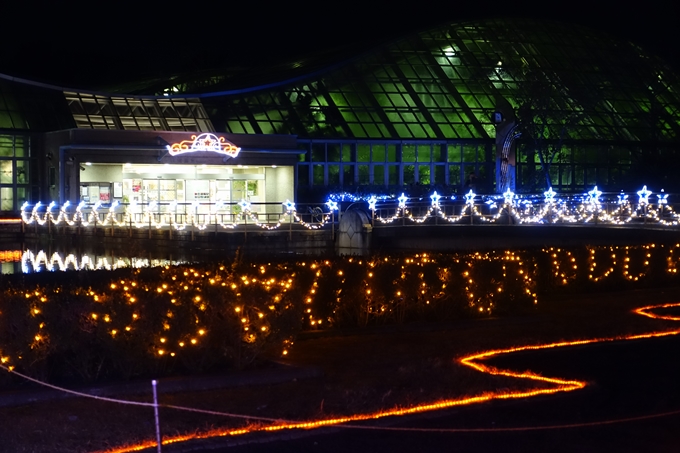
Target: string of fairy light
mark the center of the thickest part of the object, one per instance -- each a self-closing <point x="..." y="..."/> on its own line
<point x="152" y="216"/>
<point x="588" y="208"/>
<point x="544" y="385"/>
<point x="483" y="279"/>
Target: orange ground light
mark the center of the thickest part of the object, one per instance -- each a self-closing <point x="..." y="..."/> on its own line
<point x="474" y="361"/>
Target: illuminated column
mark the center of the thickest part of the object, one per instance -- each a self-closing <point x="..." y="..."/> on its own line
<point x="506" y="133"/>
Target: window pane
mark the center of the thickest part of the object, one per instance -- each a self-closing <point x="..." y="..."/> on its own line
<point x="363" y="153"/>
<point x="454" y="154"/>
<point x="393" y="175"/>
<point x="408" y="153"/>
<point x="303" y="175"/>
<point x="364" y="174"/>
<point x="348" y="175"/>
<point x="318" y="175"/>
<point x="378" y="153"/>
<point x="333" y="152"/>
<point x="6" y="199"/>
<point x="392" y="153"/>
<point x="424" y="174"/>
<point x="424" y="153"/>
<point x="347" y="153"/>
<point x="409" y="174"/>
<point x="22" y="172"/>
<point x="334" y="175"/>
<point x="469" y="153"/>
<point x="6" y="146"/>
<point x="379" y="175"/>
<point x="454" y="175"/>
<point x="318" y="152"/>
<point x="6" y="172"/>
<point x="439" y="174"/>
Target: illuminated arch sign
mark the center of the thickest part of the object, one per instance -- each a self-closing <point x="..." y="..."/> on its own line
<point x="204" y="143"/>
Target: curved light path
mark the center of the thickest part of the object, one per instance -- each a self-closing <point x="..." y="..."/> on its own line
<point x="556" y="385"/>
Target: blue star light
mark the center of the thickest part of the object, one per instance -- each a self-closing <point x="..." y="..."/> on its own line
<point x="245" y="205"/>
<point x="402" y="201"/>
<point x="509" y="195"/>
<point x="549" y="195"/>
<point x="594" y="195"/>
<point x="371" y="202"/>
<point x="663" y="197"/>
<point x="644" y="195"/>
<point x="435" y="197"/>
<point x="332" y="205"/>
<point x="290" y="206"/>
<point x="470" y="197"/>
<point x="623" y="198"/>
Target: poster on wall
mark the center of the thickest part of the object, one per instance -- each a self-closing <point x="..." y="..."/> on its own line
<point x="117" y="190"/>
<point x="104" y="194"/>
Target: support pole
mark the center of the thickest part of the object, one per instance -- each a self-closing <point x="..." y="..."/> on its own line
<point x="155" y="412"/>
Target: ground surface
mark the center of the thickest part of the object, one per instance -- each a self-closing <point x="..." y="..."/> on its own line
<point x="396" y="366"/>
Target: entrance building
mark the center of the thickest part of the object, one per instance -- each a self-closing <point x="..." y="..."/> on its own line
<point x="171" y="170"/>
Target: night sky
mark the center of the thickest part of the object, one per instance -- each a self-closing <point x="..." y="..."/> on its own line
<point x="94" y="47"/>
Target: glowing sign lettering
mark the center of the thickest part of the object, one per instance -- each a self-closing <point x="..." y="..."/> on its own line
<point x="204" y="142"/>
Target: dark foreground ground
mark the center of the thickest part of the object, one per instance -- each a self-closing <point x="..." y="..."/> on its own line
<point x="387" y="367"/>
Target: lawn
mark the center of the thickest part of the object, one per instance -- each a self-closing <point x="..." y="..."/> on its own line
<point x="364" y="371"/>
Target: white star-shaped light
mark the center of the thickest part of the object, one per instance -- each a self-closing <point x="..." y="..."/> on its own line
<point x="663" y="197"/>
<point x="508" y="196"/>
<point x="435" y="197"/>
<point x="402" y="201"/>
<point x="290" y="206"/>
<point x="549" y="195"/>
<point x="470" y="197"/>
<point x="371" y="202"/>
<point x="594" y="195"/>
<point x="644" y="195"/>
<point x="245" y="205"/>
<point x="332" y="205"/>
<point x="623" y="198"/>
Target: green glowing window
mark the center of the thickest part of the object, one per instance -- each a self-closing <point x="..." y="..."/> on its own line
<point x="333" y="152"/>
<point x="424" y="153"/>
<point x="6" y="199"/>
<point x="364" y="174"/>
<point x="6" y="146"/>
<point x="22" y="172"/>
<point x="347" y="153"/>
<point x="393" y="175"/>
<point x="318" y="175"/>
<point x="469" y="153"/>
<point x="363" y="153"/>
<point x="392" y="153"/>
<point x="409" y="174"/>
<point x="379" y="175"/>
<point x="6" y="172"/>
<point x="408" y="153"/>
<point x="378" y="153"/>
<point x="348" y="175"/>
<point x="334" y="175"/>
<point x="454" y="175"/>
<point x="424" y="174"/>
<point x="454" y="153"/>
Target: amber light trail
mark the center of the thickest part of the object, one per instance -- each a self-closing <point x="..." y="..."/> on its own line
<point x="473" y="361"/>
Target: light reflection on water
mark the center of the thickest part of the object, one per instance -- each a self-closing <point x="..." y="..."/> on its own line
<point x="27" y="262"/>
